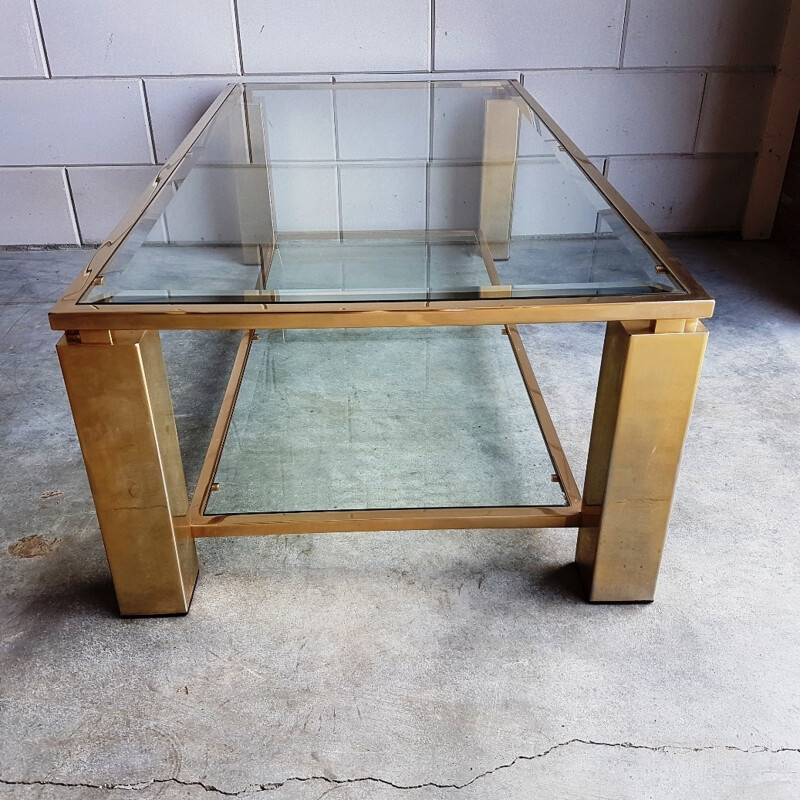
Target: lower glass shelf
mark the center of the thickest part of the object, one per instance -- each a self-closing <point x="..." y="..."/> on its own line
<point x="372" y="420"/>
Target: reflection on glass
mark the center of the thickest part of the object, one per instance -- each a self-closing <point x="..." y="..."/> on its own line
<point x="370" y="192"/>
<point x="382" y="418"/>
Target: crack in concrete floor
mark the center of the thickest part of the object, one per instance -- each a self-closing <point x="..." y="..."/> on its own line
<point x="273" y="786"/>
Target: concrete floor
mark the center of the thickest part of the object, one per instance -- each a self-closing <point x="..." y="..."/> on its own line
<point x="421" y="665"/>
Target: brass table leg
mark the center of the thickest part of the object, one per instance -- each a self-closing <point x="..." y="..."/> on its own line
<point x="501" y="132"/>
<point x="645" y="395"/>
<point x="118" y="391"/>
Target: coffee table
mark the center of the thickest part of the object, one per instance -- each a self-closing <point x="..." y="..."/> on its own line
<point x="378" y="244"/>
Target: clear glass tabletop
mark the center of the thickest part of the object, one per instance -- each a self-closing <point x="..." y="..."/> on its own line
<point x="394" y="192"/>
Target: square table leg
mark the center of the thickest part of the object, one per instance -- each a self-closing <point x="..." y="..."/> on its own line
<point x="645" y="395"/>
<point x="121" y="404"/>
<point x="253" y="187"/>
<point x="500" y="139"/>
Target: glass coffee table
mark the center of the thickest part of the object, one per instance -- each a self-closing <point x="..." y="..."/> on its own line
<point x="377" y="244"/>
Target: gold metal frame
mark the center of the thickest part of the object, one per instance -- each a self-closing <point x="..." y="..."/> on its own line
<point x="68" y="314"/>
<point x="111" y="359"/>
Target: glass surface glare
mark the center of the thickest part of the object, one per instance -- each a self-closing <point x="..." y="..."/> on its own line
<point x="338" y="419"/>
<point x="315" y="193"/>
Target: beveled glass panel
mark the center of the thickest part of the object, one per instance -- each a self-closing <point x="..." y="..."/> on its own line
<point x="386" y="418"/>
<point x="310" y="193"/>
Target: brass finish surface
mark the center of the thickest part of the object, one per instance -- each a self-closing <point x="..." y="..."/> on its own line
<point x="254" y="189"/>
<point x="205" y="483"/>
<point x="116" y="381"/>
<point x="94" y="337"/>
<point x="696" y="303"/>
<point x="123" y="415"/>
<point x="563" y="472"/>
<point x="668" y="325"/>
<point x="388" y="520"/>
<point x="279" y="316"/>
<point x="645" y="396"/>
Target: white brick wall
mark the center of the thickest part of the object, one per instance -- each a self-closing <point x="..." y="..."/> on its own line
<point x="670" y="96"/>
<point x="21" y="50"/>
<point x="120" y="37"/>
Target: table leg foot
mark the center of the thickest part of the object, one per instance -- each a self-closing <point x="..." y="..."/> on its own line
<point x="646" y="391"/>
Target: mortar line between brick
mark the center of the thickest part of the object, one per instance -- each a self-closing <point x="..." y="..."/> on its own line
<point x="624" y="38"/>
<point x="40" y="37"/>
<point x="428" y="164"/>
<point x="238" y="36"/>
<point x="710" y="156"/>
<point x="432" y="54"/>
<point x="700" y="114"/>
<point x="422" y="73"/>
<point x="74" y="166"/>
<point x="73" y="209"/>
<point x="338" y="169"/>
<point x="149" y="120"/>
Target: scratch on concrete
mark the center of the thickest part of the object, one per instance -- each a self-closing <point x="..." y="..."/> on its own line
<point x="271" y="787"/>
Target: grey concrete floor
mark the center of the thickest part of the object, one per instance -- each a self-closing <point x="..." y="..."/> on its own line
<point x="423" y="665"/>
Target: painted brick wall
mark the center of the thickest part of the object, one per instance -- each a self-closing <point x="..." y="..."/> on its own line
<point x="669" y="96"/>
